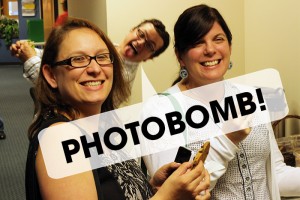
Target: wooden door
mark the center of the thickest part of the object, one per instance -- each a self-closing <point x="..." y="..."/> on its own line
<point x="48" y="16"/>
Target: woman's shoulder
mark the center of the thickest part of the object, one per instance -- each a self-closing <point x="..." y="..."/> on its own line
<point x="51" y="118"/>
<point x="161" y="102"/>
<point x="48" y="120"/>
<point x="172" y="90"/>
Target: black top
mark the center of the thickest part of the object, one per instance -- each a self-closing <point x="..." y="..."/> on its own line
<point x="119" y="181"/>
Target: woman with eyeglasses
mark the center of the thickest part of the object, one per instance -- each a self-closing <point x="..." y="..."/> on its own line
<point x="81" y="76"/>
<point x="147" y="40"/>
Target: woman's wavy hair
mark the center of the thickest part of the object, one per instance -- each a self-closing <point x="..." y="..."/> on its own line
<point x="49" y="99"/>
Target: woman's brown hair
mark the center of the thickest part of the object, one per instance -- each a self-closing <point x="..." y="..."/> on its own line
<point x="49" y="99"/>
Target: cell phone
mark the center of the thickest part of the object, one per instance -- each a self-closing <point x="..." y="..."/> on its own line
<point x="183" y="155"/>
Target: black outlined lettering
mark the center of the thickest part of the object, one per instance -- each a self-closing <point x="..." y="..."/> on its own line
<point x="174" y="118"/>
<point x="228" y="106"/>
<point x="160" y="124"/>
<point x="246" y="105"/>
<point x="86" y="146"/>
<point x="69" y="152"/>
<point x="189" y="116"/>
<point x="107" y="141"/>
<point x="132" y="126"/>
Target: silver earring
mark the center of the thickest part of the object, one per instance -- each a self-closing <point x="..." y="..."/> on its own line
<point x="183" y="73"/>
<point x="230" y="65"/>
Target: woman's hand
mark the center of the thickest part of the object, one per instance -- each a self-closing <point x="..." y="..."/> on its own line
<point x="162" y="174"/>
<point x="183" y="183"/>
<point x="205" y="192"/>
<point x="22" y="50"/>
<point x="241" y="125"/>
<point x="237" y="136"/>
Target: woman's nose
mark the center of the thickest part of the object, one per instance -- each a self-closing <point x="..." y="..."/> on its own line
<point x="209" y="48"/>
<point x="94" y="67"/>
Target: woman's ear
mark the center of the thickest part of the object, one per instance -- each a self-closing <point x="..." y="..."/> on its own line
<point x="49" y="75"/>
<point x="179" y="59"/>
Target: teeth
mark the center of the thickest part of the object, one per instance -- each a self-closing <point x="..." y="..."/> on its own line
<point x="93" y="83"/>
<point x="211" y="63"/>
<point x="134" y="48"/>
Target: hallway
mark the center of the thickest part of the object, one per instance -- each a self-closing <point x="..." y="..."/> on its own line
<point x="16" y="109"/>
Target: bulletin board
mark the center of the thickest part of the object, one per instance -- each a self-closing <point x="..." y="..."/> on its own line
<point x="28" y="8"/>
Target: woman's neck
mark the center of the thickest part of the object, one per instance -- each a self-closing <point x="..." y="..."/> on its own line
<point x="202" y="92"/>
<point x="87" y="111"/>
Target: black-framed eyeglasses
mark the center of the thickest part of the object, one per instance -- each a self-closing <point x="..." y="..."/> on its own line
<point x="84" y="60"/>
<point x="142" y="35"/>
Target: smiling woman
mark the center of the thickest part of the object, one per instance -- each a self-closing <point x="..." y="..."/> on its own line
<point x="79" y="65"/>
<point x="91" y="87"/>
<point x="81" y="75"/>
<point x="246" y="163"/>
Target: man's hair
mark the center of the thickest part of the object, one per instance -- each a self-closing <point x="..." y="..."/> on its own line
<point x="161" y="30"/>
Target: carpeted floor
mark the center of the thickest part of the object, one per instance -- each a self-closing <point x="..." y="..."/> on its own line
<point x="16" y="109"/>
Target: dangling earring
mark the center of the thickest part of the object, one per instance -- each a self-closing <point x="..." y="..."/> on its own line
<point x="230" y="65"/>
<point x="183" y="73"/>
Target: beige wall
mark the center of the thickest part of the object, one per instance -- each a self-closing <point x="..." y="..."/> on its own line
<point x="265" y="34"/>
<point x="93" y="10"/>
<point x="272" y="39"/>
